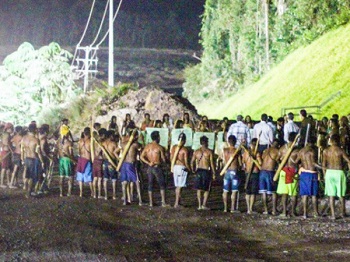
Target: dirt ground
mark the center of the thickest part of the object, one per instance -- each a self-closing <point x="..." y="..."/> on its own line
<point x="48" y="227"/>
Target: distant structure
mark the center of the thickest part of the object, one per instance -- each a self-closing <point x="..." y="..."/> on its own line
<point x="85" y="60"/>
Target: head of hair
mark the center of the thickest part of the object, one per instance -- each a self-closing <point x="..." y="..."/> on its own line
<point x="292" y="136"/>
<point x="225" y="119"/>
<point x="113" y="118"/>
<point x="335" y="139"/>
<point x="147" y="114"/>
<point x="254" y="141"/>
<point x="102" y="132"/>
<point x="87" y="131"/>
<point x="336" y="116"/>
<point x="155" y="135"/>
<point x="280" y="119"/>
<point x="303" y="112"/>
<point x="312" y="140"/>
<point x="248" y="119"/>
<point x="165" y="116"/>
<point x="290" y="116"/>
<point x="270" y="119"/>
<point x="264" y="117"/>
<point x="203" y="140"/>
<point x="18" y="129"/>
<point x="97" y="125"/>
<point x="239" y="118"/>
<point x="232" y="140"/>
<point x="32" y="127"/>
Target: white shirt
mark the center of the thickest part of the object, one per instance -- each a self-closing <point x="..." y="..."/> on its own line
<point x="289" y="128"/>
<point x="265" y="131"/>
<point x="240" y="131"/>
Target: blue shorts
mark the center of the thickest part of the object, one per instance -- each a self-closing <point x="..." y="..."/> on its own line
<point x="308" y="184"/>
<point x="128" y="172"/>
<point x="32" y="165"/>
<point x="86" y="176"/>
<point x="266" y="183"/>
<point x="109" y="172"/>
<point x="231" y="181"/>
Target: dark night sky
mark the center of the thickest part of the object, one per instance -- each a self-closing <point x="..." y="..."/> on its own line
<point x="22" y="20"/>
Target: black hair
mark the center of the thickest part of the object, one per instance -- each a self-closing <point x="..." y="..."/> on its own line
<point x="232" y="140"/>
<point x="155" y="135"/>
<point x="203" y="140"/>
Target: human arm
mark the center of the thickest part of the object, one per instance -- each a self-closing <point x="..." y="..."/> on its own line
<point x="212" y="165"/>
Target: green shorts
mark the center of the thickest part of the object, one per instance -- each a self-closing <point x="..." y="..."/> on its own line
<point x="65" y="167"/>
<point x="335" y="183"/>
<point x="286" y="189"/>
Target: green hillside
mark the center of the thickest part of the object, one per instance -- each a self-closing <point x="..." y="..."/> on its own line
<point x="306" y="77"/>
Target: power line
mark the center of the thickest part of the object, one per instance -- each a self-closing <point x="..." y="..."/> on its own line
<point x="86" y="27"/>
<point x="115" y="16"/>
<point x="101" y="24"/>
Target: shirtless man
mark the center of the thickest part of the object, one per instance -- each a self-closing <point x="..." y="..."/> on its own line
<point x="308" y="181"/>
<point x="45" y="151"/>
<point x="66" y="162"/>
<point x="128" y="172"/>
<point x="84" y="166"/>
<point x="16" y="155"/>
<point x="287" y="184"/>
<point x="31" y="156"/>
<point x="181" y="167"/>
<point x="335" y="179"/>
<point x="253" y="184"/>
<point x="154" y="155"/>
<point x="203" y="164"/>
<point x="231" y="179"/>
<point x="266" y="184"/>
<point x="97" y="165"/>
<point x="6" y="163"/>
<point x="109" y="171"/>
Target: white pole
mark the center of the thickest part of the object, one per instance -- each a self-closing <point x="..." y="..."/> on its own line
<point x="111" y="47"/>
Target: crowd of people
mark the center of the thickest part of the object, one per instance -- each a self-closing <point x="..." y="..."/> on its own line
<point x="282" y="158"/>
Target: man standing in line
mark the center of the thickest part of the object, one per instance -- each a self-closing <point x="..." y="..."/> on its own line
<point x="308" y="180"/>
<point x="202" y="164"/>
<point x="240" y="131"/>
<point x="31" y="157"/>
<point x="231" y="179"/>
<point x="266" y="184"/>
<point x="6" y="163"/>
<point x="16" y="156"/>
<point x="65" y="151"/>
<point x="154" y="155"/>
<point x="335" y="179"/>
<point x="181" y="167"/>
<point x="84" y="166"/>
<point x="264" y="133"/>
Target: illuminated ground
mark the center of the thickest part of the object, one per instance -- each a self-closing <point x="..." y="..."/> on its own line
<point x="74" y="229"/>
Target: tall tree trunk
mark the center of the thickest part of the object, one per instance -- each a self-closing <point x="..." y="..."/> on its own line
<point x="267" y="47"/>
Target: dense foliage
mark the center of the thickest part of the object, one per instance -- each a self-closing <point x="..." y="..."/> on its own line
<point x="32" y="82"/>
<point x="242" y="39"/>
<point x="150" y="24"/>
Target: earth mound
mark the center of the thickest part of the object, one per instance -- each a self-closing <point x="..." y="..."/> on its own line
<point x="154" y="101"/>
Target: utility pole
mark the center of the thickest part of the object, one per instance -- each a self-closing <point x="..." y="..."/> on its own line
<point x="111" y="47"/>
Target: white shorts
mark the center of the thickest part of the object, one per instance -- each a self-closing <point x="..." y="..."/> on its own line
<point x="180" y="176"/>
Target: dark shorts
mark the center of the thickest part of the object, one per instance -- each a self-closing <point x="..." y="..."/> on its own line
<point x="6" y="160"/>
<point x="108" y="171"/>
<point x="128" y="172"/>
<point x="231" y="181"/>
<point x="16" y="160"/>
<point x="253" y="184"/>
<point x="308" y="184"/>
<point x="155" y="172"/>
<point x="266" y="183"/>
<point x="32" y="165"/>
<point x="203" y="179"/>
<point x="97" y="168"/>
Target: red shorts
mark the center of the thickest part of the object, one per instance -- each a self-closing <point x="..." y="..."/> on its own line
<point x="97" y="168"/>
<point x="6" y="162"/>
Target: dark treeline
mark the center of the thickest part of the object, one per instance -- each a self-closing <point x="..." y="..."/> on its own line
<point x="140" y="23"/>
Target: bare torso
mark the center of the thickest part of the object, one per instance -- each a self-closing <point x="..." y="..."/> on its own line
<point x="153" y="154"/>
<point x="182" y="157"/>
<point x="203" y="158"/>
<point x="308" y="157"/>
<point x="334" y="158"/>
<point x="270" y="159"/>
<point x="293" y="156"/>
<point x="16" y="143"/>
<point x="31" y="146"/>
<point x="84" y="148"/>
<point x="228" y="152"/>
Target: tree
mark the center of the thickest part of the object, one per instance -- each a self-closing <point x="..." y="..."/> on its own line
<point x="33" y="81"/>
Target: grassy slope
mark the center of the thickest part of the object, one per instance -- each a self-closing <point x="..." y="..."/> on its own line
<point x="306" y="77"/>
